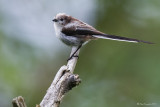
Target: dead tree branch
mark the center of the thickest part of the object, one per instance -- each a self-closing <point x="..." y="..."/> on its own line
<point x="64" y="81"/>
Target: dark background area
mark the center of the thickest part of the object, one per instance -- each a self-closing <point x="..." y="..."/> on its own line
<point x="113" y="73"/>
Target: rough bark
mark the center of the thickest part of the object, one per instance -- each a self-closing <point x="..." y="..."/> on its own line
<point x="18" y="102"/>
<point x="64" y="81"/>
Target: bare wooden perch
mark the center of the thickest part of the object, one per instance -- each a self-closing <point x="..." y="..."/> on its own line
<point x="64" y="81"/>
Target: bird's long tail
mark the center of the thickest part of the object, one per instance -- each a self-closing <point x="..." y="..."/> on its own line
<point x="119" y="38"/>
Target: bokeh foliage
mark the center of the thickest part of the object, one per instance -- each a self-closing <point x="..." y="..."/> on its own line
<point x="114" y="74"/>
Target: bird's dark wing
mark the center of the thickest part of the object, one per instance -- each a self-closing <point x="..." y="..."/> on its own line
<point x="80" y="30"/>
<point x="89" y="30"/>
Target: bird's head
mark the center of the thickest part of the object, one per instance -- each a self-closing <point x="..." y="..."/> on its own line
<point x="61" y="19"/>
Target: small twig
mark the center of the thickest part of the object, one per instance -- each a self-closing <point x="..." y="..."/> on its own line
<point x="18" y="102"/>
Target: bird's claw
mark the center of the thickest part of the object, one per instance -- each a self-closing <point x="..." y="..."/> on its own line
<point x="72" y="57"/>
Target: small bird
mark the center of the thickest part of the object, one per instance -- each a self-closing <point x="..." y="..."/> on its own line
<point x="74" y="32"/>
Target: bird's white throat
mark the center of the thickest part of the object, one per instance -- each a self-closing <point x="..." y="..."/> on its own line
<point x="58" y="29"/>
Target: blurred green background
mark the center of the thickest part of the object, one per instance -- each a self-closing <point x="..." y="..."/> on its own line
<point x="114" y="74"/>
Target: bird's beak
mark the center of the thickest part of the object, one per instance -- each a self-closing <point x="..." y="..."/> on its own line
<point x="55" y="20"/>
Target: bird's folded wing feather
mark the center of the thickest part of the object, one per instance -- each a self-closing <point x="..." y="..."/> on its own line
<point x="83" y="29"/>
<point x="86" y="29"/>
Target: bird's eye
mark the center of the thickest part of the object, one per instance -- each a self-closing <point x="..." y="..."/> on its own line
<point x="61" y="19"/>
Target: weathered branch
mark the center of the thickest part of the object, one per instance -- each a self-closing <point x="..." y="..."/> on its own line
<point x="64" y="81"/>
<point x="18" y="102"/>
